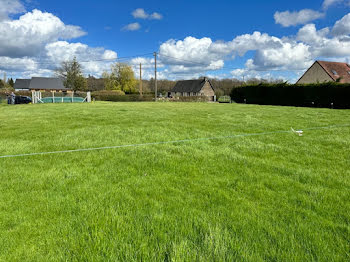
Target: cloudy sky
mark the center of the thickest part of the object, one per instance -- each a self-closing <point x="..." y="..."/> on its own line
<point x="221" y="38"/>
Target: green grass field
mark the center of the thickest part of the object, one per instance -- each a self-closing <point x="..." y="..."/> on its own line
<point x="272" y="197"/>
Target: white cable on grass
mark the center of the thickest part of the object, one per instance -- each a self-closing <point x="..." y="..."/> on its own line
<point x="167" y="142"/>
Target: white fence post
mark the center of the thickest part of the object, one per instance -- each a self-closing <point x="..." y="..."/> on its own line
<point x="88" y="97"/>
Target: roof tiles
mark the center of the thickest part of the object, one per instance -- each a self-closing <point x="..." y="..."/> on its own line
<point x="337" y="70"/>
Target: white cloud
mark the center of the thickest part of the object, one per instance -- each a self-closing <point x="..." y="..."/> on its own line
<point x="327" y="3"/>
<point x="291" y="56"/>
<point x="37" y="42"/>
<point x="9" y="7"/>
<point x="33" y="45"/>
<point x="191" y="52"/>
<point x="250" y="42"/>
<point x="304" y="16"/>
<point x="140" y="13"/>
<point x="147" y="67"/>
<point x="17" y="64"/>
<point x="309" y="35"/>
<point x="322" y="44"/>
<point x="109" y="55"/>
<point x="29" y="34"/>
<point x="147" y="63"/>
<point x="94" y="60"/>
<point x="246" y="74"/>
<point x="132" y="27"/>
<point x="193" y="56"/>
<point x="40" y="72"/>
<point x="156" y="16"/>
<point x="272" y="52"/>
<point x="295" y="53"/>
<point x="342" y="27"/>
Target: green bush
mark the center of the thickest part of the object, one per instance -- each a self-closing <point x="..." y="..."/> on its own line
<point x="224" y="99"/>
<point x="311" y="95"/>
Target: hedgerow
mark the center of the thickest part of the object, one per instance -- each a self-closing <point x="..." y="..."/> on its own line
<point x="332" y="95"/>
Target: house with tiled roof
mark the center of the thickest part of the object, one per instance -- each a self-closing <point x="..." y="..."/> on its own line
<point x="324" y="71"/>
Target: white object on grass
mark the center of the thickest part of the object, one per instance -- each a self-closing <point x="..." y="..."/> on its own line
<point x="298" y="132"/>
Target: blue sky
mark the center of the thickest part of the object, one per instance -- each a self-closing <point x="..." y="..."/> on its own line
<point x="219" y="20"/>
<point x="224" y="39"/>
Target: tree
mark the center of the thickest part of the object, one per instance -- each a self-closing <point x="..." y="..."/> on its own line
<point x="10" y="82"/>
<point x="71" y="73"/>
<point x="110" y="81"/>
<point x="121" y="77"/>
<point x="95" y="84"/>
<point x="2" y="85"/>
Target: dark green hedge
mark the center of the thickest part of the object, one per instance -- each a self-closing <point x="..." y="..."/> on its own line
<point x="115" y="97"/>
<point x="311" y="95"/>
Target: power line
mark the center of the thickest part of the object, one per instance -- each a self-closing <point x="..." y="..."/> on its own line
<point x="183" y="60"/>
<point x="47" y="62"/>
<point x="186" y="63"/>
<point x="226" y="67"/>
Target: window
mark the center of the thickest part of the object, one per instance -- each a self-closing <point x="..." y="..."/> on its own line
<point x="334" y="72"/>
<point x="349" y="72"/>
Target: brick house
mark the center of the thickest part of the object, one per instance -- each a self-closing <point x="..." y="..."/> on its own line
<point x="323" y="71"/>
<point x="201" y="87"/>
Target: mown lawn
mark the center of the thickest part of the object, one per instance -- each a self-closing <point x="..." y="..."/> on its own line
<point x="274" y="197"/>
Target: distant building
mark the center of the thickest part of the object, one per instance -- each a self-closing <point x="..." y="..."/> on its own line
<point x="323" y="71"/>
<point x="201" y="87"/>
<point x="22" y="85"/>
<point x="40" y="84"/>
<point x="47" y="84"/>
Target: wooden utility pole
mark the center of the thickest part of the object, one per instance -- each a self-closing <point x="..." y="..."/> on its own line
<point x="141" y="93"/>
<point x="155" y="75"/>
